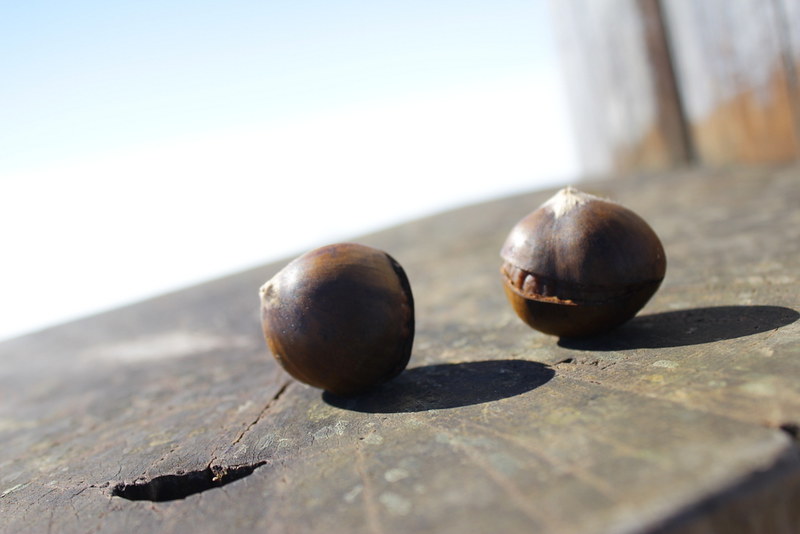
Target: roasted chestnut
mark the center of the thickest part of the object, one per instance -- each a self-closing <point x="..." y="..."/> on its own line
<point x="340" y="318"/>
<point x="580" y="265"/>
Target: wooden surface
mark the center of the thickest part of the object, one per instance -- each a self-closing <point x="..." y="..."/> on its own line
<point x="684" y="420"/>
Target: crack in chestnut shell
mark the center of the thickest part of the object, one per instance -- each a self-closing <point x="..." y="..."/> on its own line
<point x="572" y="320"/>
<point x="580" y="265"/>
<point x="340" y="318"/>
<point x="531" y="286"/>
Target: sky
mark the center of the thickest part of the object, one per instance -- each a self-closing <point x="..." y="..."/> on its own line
<point x="148" y="146"/>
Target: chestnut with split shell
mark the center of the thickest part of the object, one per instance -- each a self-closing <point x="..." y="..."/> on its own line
<point x="340" y="318"/>
<point x="581" y="265"/>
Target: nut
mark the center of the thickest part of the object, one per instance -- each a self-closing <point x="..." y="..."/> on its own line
<point x="580" y="265"/>
<point x="340" y="318"/>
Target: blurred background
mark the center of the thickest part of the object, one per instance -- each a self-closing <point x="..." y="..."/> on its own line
<point x="147" y="146"/>
<point x="150" y="146"/>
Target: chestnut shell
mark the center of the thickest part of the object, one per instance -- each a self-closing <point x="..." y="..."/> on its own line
<point x="340" y="318"/>
<point x="580" y="265"/>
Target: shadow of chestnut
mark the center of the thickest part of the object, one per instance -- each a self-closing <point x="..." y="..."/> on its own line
<point x="693" y="326"/>
<point x="451" y="385"/>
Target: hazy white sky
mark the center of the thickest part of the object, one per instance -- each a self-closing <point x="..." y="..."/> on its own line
<point x="151" y="145"/>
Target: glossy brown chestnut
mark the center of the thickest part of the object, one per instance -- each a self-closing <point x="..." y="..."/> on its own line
<point x="580" y="265"/>
<point x="340" y="318"/>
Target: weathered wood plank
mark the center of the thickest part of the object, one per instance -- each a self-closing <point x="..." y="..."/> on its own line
<point x="737" y="72"/>
<point x="622" y="90"/>
<point x="654" y="84"/>
<point x="670" y="424"/>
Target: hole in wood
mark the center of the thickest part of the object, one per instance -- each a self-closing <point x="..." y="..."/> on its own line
<point x="793" y="429"/>
<point x="182" y="485"/>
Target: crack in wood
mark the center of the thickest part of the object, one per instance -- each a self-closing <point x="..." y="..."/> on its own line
<point x="267" y="406"/>
<point x="792" y="430"/>
<point x="179" y="486"/>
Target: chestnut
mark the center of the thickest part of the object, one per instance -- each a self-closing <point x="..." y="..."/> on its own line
<point x="580" y="265"/>
<point x="340" y="318"/>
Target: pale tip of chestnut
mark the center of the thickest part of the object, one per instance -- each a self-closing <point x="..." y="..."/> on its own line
<point x="566" y="200"/>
